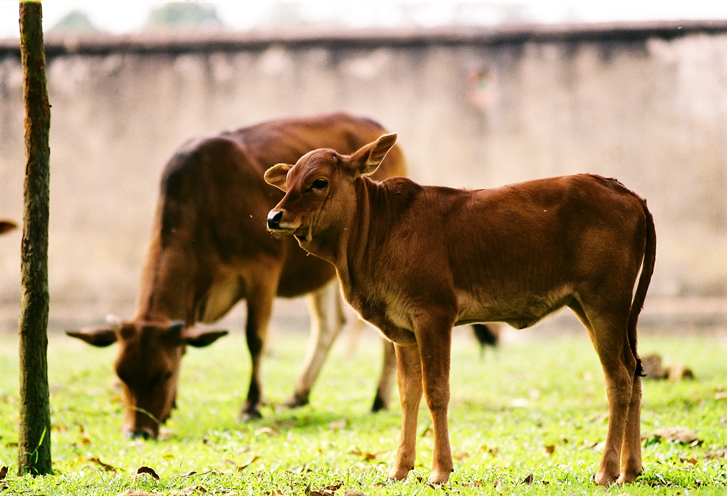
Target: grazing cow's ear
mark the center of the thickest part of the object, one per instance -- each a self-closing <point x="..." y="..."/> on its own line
<point x="198" y="339"/>
<point x="367" y="159"/>
<point x="277" y="174"/>
<point x="6" y="225"/>
<point x="97" y="336"/>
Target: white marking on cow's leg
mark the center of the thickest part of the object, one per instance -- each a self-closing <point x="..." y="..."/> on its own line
<point x="324" y="305"/>
<point x="409" y="379"/>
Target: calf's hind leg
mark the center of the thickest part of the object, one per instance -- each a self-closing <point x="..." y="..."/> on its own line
<point x="608" y="332"/>
<point x="631" y="465"/>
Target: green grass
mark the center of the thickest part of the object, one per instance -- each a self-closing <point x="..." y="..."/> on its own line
<point x="534" y="410"/>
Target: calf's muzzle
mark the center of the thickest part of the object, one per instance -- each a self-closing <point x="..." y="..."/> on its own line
<point x="274" y="218"/>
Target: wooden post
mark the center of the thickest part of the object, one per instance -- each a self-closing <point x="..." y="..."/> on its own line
<point x="34" y="456"/>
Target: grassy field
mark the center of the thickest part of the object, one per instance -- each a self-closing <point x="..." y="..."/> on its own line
<point x="525" y="420"/>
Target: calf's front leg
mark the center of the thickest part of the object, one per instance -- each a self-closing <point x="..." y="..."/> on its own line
<point x="409" y="379"/>
<point x="434" y="351"/>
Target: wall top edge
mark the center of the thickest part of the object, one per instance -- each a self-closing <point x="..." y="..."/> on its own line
<point x="201" y="40"/>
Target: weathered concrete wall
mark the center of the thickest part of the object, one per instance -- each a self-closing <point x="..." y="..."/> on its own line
<point x="651" y="112"/>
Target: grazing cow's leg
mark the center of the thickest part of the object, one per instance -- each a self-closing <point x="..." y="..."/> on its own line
<point x="260" y="296"/>
<point x="388" y="365"/>
<point x="608" y="331"/>
<point x="388" y="368"/>
<point x="409" y="379"/>
<point x="325" y="305"/>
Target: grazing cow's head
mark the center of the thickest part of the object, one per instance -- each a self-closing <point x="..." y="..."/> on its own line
<point x="148" y="366"/>
<point x="319" y="186"/>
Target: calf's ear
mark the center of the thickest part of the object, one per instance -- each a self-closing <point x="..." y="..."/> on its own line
<point x="276" y="175"/>
<point x="366" y="160"/>
<point x="96" y="336"/>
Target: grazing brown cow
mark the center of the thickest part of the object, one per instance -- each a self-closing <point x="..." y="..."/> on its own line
<point x="416" y="260"/>
<point x="210" y="249"/>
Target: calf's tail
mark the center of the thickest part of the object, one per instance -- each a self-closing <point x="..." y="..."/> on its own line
<point x="647" y="269"/>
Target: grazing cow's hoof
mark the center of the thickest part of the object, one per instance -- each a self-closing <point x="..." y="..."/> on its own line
<point x="139" y="434"/>
<point x="379" y="404"/>
<point x="297" y="400"/>
<point x="439" y="476"/>
<point x="249" y="415"/>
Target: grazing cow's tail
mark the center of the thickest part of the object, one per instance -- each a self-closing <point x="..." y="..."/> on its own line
<point x="647" y="269"/>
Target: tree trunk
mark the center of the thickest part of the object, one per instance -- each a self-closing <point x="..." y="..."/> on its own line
<point x="34" y="431"/>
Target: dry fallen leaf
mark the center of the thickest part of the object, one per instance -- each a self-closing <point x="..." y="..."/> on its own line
<point x="676" y="373"/>
<point x="3" y="472"/>
<point x="135" y="492"/>
<point x="146" y="470"/>
<point x="249" y="462"/>
<point x="678" y="434"/>
<point x="353" y="492"/>
<point x="652" y="367"/>
<point x="337" y="424"/>
<point x="103" y="465"/>
<point x="461" y="455"/>
<point x="366" y="456"/>
<point x="266" y="430"/>
<point x="497" y="485"/>
<point x="718" y="453"/>
<point x="193" y="489"/>
<point x="528" y="480"/>
<point x="325" y="491"/>
<point x="550" y="449"/>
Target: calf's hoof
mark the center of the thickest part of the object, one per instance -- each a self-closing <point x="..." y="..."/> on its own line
<point x="439" y="476"/>
<point x="398" y="473"/>
<point x="604" y="479"/>
<point x="628" y="476"/>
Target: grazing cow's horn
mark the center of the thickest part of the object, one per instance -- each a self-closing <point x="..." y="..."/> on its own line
<point x="113" y="320"/>
<point x="175" y="328"/>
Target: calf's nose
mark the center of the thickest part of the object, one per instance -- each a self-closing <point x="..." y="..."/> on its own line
<point x="274" y="218"/>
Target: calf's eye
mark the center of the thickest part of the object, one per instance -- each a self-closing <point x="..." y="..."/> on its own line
<point x="319" y="185"/>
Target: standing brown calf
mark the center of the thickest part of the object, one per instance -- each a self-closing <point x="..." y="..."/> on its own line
<point x="417" y="260"/>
